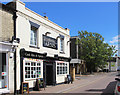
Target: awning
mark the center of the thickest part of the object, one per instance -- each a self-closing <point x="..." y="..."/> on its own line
<point x="75" y="61"/>
<point x="5" y="47"/>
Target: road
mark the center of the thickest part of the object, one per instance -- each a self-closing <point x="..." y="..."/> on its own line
<point x="97" y="84"/>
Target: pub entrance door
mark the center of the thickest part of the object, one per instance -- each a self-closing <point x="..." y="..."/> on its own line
<point x="49" y="74"/>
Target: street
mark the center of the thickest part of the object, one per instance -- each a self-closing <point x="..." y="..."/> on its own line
<point x="99" y="83"/>
<point x="103" y="83"/>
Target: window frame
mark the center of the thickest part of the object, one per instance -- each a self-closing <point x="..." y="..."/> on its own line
<point x="36" y="66"/>
<point x="63" y="66"/>
<point x="36" y="36"/>
<point x="62" y="44"/>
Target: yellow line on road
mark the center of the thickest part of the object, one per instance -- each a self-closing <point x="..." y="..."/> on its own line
<point x="82" y="85"/>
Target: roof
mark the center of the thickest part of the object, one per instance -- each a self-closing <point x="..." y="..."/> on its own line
<point x="7" y="8"/>
<point x="74" y="37"/>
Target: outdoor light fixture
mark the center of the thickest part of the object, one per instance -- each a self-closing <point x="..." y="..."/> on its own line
<point x="47" y="33"/>
<point x="45" y="54"/>
<point x="15" y="40"/>
<point x="57" y="37"/>
<point x="68" y="42"/>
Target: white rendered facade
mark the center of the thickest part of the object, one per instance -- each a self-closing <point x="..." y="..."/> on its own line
<point x="23" y="31"/>
<point x="8" y="82"/>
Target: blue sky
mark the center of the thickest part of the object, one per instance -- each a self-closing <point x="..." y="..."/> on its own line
<point x="100" y="17"/>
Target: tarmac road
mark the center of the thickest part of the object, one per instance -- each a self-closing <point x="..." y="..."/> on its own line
<point x="97" y="84"/>
<point x="101" y="83"/>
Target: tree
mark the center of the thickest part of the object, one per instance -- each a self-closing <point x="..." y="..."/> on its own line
<point x="93" y="50"/>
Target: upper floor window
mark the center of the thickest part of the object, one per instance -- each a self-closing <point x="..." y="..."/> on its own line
<point x="33" y="36"/>
<point x="61" y="43"/>
<point x="33" y="33"/>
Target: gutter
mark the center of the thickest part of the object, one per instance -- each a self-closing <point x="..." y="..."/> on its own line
<point x="14" y="18"/>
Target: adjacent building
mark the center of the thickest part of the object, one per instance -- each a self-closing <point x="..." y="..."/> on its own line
<point x="76" y="62"/>
<point x="113" y="64"/>
<point x="6" y="49"/>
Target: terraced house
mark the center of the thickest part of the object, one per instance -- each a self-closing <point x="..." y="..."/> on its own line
<point x="7" y="48"/>
<point x="42" y="50"/>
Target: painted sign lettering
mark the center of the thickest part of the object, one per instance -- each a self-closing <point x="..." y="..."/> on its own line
<point x="49" y="42"/>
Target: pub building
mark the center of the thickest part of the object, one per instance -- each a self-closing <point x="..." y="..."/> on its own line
<point x="43" y="50"/>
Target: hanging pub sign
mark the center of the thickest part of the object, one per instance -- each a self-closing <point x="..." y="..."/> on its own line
<point x="49" y="42"/>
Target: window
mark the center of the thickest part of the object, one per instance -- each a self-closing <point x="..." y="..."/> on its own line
<point x="33" y="37"/>
<point x="62" y="44"/>
<point x="61" y="68"/>
<point x="32" y="70"/>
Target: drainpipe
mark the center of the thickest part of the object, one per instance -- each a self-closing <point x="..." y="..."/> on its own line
<point x="14" y="38"/>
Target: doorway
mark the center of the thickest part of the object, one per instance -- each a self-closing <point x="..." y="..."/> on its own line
<point x="49" y="74"/>
<point x="3" y="71"/>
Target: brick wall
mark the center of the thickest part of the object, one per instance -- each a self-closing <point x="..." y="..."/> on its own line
<point x="6" y="25"/>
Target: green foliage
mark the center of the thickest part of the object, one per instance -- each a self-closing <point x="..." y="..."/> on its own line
<point x="93" y="50"/>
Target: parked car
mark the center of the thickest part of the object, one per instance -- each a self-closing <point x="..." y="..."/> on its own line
<point x="117" y="88"/>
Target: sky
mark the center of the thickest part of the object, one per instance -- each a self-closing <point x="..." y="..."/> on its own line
<point x="99" y="17"/>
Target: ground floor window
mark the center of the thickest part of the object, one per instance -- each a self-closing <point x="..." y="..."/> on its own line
<point x="62" y="68"/>
<point x="3" y="71"/>
<point x="32" y="69"/>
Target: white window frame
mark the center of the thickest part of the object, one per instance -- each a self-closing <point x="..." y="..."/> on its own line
<point x="30" y="61"/>
<point x="62" y="65"/>
<point x="61" y="45"/>
<point x="35" y="30"/>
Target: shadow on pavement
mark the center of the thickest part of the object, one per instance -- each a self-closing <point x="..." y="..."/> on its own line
<point x="109" y="90"/>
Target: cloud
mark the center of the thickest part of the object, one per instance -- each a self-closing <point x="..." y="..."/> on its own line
<point x="104" y="41"/>
<point x="115" y="39"/>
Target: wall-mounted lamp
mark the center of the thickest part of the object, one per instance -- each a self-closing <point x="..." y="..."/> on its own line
<point x="45" y="54"/>
<point x="68" y="42"/>
<point x="15" y="40"/>
<point x="57" y="37"/>
<point x="11" y="55"/>
<point x="47" y="33"/>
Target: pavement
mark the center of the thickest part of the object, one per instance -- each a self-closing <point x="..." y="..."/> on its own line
<point x="79" y="83"/>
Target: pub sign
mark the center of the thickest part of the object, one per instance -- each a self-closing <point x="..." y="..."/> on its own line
<point x="49" y="42"/>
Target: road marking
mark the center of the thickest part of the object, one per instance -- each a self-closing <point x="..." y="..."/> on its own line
<point x="73" y="88"/>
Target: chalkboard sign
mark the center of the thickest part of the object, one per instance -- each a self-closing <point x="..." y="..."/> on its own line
<point x="25" y="87"/>
<point x="39" y="83"/>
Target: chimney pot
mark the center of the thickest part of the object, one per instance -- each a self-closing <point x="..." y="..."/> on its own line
<point x="46" y="17"/>
<point x="67" y="29"/>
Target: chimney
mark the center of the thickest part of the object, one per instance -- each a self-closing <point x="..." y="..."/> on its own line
<point x="67" y="29"/>
<point x="46" y="17"/>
